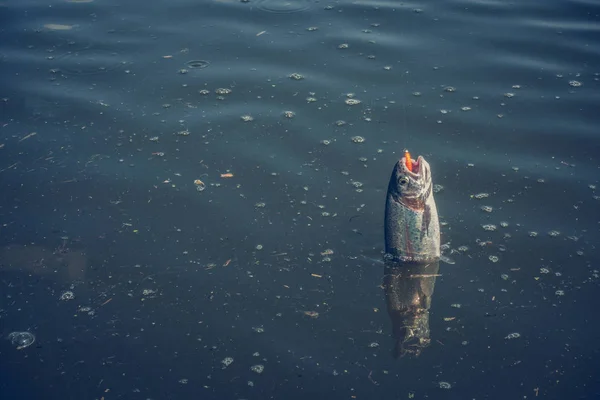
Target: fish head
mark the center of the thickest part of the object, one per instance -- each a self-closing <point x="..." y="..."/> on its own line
<point x="410" y="187"/>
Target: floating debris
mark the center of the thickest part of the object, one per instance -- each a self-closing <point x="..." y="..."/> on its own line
<point x="289" y="114"/>
<point x="223" y="91"/>
<point x="204" y="92"/>
<point x="437" y="188"/>
<point x="259" y="368"/>
<point x="489" y="227"/>
<point x="532" y="233"/>
<point x="559" y="292"/>
<point x="444" y="385"/>
<point x="226" y="362"/>
<point x="449" y="89"/>
<point x="357" y="139"/>
<point x="509" y="95"/>
<point x="296" y="76"/>
<point x="352" y="102"/>
<point x="575" y="83"/>
<point x="343" y="46"/>
<point x="247" y="118"/>
<point x="554" y="233"/>
<point x="200" y="186"/>
<point x="340" y="122"/>
<point x="480" y="196"/>
<point x="494" y="259"/>
<point x="514" y="335"/>
<point x="488" y="209"/>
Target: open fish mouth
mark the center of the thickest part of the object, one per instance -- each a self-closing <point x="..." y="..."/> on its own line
<point x="418" y="168"/>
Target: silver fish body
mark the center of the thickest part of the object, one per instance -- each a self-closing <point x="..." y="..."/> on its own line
<point x="412" y="228"/>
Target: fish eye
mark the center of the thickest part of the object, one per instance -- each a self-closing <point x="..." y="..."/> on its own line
<point x="402" y="180"/>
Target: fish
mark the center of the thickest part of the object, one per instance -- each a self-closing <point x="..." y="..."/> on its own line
<point x="412" y="254"/>
<point x="412" y="227"/>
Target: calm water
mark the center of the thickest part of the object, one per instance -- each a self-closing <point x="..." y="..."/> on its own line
<point x="112" y="110"/>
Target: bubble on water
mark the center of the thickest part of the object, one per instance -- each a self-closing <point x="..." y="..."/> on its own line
<point x="260" y="204"/>
<point x="340" y="122"/>
<point x="554" y="233"/>
<point x="532" y="233"/>
<point x="289" y="114"/>
<point x="544" y="270"/>
<point x="258" y="368"/>
<point x="465" y="108"/>
<point x="575" y="83"/>
<point x="437" y="188"/>
<point x="387" y="67"/>
<point x="480" y="196"/>
<point x="258" y="329"/>
<point x="182" y="71"/>
<point x="343" y="46"/>
<point x="283" y="7"/>
<point x="357" y="139"/>
<point x="494" y="259"/>
<point x="514" y="335"/>
<point x="227" y="362"/>
<point x="504" y="277"/>
<point x="503" y="224"/>
<point x="67" y="295"/>
<point x="559" y="292"/>
<point x="489" y="227"/>
<point x="311" y="99"/>
<point x="223" y="91"/>
<point x="456" y="305"/>
<point x="296" y="76"/>
<point x="444" y="385"/>
<point x="373" y="345"/>
<point x="352" y="102"/>
<point x="21" y="339"/>
<point x="416" y="94"/>
<point x="487" y="208"/>
<point x="247" y="118"/>
<point x="463" y="248"/>
<point x="183" y="381"/>
<point x="197" y="64"/>
<point x="312" y="28"/>
<point x="204" y="92"/>
<point x="509" y="95"/>
<point x="449" y="89"/>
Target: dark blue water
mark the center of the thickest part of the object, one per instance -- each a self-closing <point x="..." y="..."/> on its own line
<point x="105" y="125"/>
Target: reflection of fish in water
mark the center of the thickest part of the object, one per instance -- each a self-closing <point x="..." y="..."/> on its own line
<point x="412" y="247"/>
<point x="62" y="264"/>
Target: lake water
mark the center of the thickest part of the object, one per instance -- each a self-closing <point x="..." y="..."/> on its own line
<point x="192" y="197"/>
